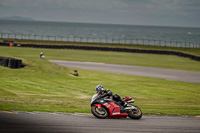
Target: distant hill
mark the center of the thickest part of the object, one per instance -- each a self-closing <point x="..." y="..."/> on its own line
<point x="16" y="18"/>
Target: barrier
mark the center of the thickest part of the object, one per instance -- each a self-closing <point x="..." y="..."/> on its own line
<point x="115" y="49"/>
<point x="10" y="62"/>
<point x="131" y="41"/>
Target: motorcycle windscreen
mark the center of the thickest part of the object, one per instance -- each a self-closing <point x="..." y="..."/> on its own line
<point x="94" y="97"/>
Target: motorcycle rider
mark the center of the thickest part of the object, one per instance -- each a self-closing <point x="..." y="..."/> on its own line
<point x="107" y="93"/>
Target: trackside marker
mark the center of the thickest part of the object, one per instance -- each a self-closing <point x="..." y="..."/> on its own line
<point x="9" y="112"/>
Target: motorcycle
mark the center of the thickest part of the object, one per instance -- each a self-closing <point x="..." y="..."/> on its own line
<point x="106" y="107"/>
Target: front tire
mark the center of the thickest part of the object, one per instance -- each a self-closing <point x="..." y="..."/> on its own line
<point x="101" y="113"/>
<point x="135" y="114"/>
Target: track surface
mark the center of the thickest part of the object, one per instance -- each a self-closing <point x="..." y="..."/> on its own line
<point x="176" y="75"/>
<point x="36" y="122"/>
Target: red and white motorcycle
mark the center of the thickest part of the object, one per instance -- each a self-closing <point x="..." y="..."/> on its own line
<point x="106" y="107"/>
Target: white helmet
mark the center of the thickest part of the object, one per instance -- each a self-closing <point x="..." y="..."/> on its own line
<point x="99" y="89"/>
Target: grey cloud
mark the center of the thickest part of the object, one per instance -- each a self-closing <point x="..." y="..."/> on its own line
<point x="147" y="12"/>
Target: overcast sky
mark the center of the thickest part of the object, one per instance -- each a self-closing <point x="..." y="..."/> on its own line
<point x="134" y="12"/>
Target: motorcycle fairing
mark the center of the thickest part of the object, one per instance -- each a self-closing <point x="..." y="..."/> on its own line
<point x="114" y="110"/>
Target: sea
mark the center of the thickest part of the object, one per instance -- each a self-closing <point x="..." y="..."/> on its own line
<point x="111" y="31"/>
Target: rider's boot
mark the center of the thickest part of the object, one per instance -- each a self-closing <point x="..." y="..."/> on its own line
<point x="125" y="104"/>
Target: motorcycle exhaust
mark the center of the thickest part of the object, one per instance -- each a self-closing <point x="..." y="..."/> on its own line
<point x="130" y="108"/>
<point x="130" y="101"/>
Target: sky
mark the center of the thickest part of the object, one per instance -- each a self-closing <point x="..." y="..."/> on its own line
<point x="183" y="13"/>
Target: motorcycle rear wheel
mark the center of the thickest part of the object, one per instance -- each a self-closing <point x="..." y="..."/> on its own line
<point x="135" y="114"/>
<point x="101" y="113"/>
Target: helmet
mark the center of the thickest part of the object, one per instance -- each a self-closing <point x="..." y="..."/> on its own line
<point x="99" y="89"/>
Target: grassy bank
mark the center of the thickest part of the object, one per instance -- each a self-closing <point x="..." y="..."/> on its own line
<point x="43" y="86"/>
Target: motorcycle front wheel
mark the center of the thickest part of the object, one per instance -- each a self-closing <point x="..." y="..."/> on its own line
<point x="101" y="113"/>
<point x="135" y="114"/>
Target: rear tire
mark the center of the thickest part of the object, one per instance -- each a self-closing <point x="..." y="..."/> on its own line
<point x="135" y="114"/>
<point x="101" y="113"/>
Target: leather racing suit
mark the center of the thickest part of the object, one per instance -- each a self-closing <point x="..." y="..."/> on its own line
<point x="115" y="97"/>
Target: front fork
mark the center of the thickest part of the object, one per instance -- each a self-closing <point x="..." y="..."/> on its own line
<point x="99" y="108"/>
<point x="98" y="105"/>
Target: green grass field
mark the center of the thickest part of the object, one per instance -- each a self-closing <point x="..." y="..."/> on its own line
<point x="44" y="86"/>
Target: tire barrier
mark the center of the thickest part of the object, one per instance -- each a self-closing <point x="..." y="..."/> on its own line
<point x="115" y="49"/>
<point x="10" y="62"/>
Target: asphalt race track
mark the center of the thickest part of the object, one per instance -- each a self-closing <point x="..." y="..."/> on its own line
<point x="36" y="122"/>
<point x="176" y="75"/>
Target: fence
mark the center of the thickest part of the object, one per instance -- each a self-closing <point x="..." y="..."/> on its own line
<point x="101" y="40"/>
